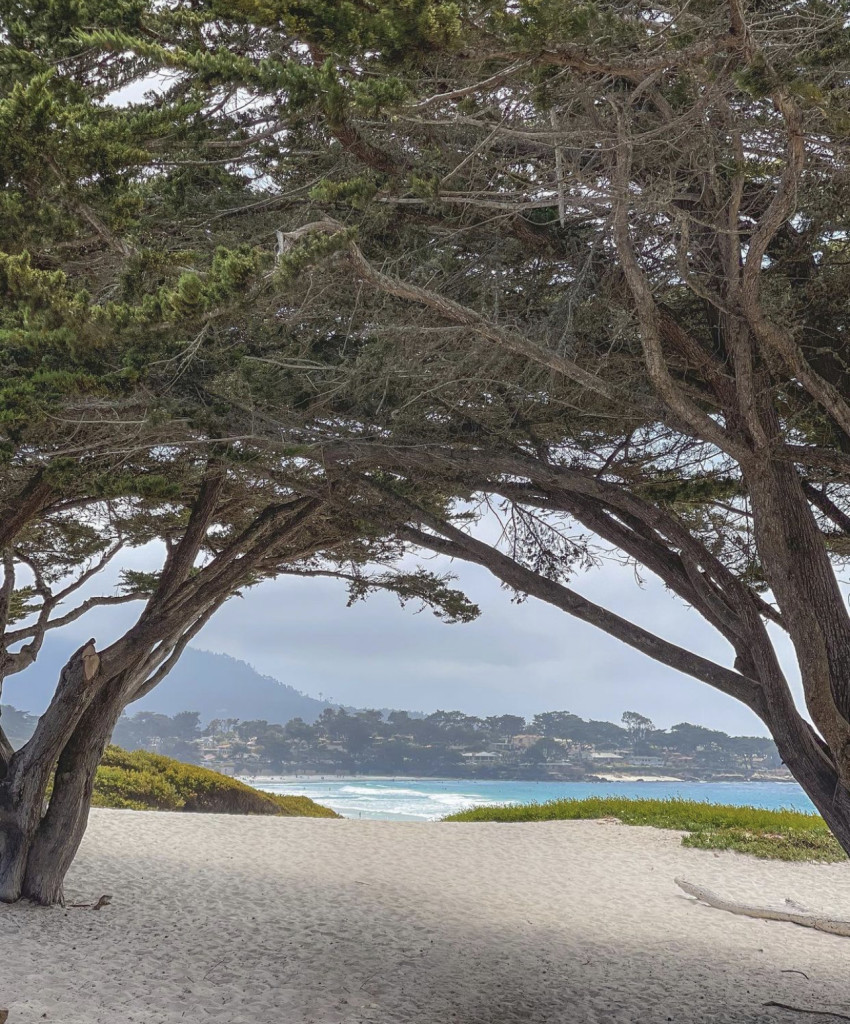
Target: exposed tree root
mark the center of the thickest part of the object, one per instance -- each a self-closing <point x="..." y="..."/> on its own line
<point x="791" y="912"/>
<point x="802" y="1009"/>
<point x="104" y="901"/>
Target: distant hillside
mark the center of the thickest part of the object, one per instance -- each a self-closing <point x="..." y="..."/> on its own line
<point x="219" y="686"/>
<point x="215" y="685"/>
<point x="17" y="725"/>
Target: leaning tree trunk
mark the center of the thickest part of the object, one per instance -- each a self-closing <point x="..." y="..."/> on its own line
<point x="23" y="788"/>
<point x="813" y="769"/>
<point x="38" y="843"/>
<point x="38" y="838"/>
<point x="60" y="832"/>
<point x="20" y="811"/>
<point x="801" y="576"/>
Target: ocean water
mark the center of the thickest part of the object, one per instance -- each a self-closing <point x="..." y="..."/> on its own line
<point x="431" y="799"/>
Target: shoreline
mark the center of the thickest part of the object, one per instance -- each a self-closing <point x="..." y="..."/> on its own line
<point x="418" y="798"/>
<point x="596" y="777"/>
<point x="604" y="777"/>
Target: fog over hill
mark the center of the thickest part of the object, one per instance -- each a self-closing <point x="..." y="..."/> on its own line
<point x="215" y="685"/>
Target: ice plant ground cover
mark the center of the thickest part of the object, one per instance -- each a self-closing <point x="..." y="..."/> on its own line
<point x="775" y="835"/>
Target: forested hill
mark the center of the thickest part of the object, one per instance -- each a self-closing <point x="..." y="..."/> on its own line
<point x="215" y="685"/>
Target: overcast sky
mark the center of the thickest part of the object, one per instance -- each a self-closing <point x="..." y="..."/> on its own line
<point x="516" y="658"/>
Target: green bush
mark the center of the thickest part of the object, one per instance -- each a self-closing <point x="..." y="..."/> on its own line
<point x="136" y="790"/>
<point x="142" y="781"/>
<point x="777" y="835"/>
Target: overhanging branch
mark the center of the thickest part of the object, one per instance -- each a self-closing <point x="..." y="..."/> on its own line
<point x="513" y="574"/>
<point x="506" y="339"/>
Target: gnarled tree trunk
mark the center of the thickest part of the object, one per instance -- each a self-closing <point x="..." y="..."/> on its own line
<point x="806" y="757"/>
<point x="39" y="838"/>
<point x="60" y="831"/>
<point x="24" y="788"/>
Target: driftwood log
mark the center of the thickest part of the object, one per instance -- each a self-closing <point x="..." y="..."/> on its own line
<point x="791" y="911"/>
<point x="803" y="1009"/>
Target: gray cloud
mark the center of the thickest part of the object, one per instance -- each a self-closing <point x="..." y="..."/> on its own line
<point x="514" y="659"/>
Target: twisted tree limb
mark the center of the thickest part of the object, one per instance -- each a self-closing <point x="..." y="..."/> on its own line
<point x="502" y="337"/>
<point x="803" y="1009"/>
<point x="797" y="915"/>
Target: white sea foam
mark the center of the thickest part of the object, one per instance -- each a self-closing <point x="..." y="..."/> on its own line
<point x="431" y="799"/>
<point x="383" y="800"/>
<point x="400" y="803"/>
<point x="381" y="791"/>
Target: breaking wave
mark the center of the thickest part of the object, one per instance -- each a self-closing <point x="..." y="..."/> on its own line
<point x="432" y="799"/>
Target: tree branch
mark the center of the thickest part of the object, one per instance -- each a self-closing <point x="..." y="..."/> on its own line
<point x="227" y="570"/>
<point x="774" y="336"/>
<point x="34" y="497"/>
<point x="6" y="592"/>
<point x="15" y="636"/>
<point x="524" y="580"/>
<point x="156" y="678"/>
<point x="679" y="404"/>
<point x="819" y="498"/>
<point x="508" y="340"/>
<point x="181" y="558"/>
<point x="7" y="752"/>
<point x="74" y="692"/>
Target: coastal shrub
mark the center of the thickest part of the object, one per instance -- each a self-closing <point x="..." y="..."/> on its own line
<point x="777" y="835"/>
<point x="135" y="790"/>
<point x="139" y="780"/>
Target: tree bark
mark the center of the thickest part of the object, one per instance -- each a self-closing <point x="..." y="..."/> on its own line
<point x="38" y="843"/>
<point x="7" y="752"/>
<point x="812" y="765"/>
<point x="24" y="787"/>
<point x="60" y="832"/>
<point x="800" y="574"/>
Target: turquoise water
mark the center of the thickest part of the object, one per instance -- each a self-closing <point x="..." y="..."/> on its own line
<point x="429" y="799"/>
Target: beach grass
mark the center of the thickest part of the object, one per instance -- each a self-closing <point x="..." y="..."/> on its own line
<point x="773" y="835"/>
<point x="140" y="781"/>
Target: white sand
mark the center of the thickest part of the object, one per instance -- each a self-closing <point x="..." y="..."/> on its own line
<point x="283" y="921"/>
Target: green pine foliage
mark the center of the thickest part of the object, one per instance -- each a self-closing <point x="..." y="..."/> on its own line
<point x="772" y="835"/>
<point x="142" y="781"/>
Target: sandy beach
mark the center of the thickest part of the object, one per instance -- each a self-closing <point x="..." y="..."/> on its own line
<point x="282" y="921"/>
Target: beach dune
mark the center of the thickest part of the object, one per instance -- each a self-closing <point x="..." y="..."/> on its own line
<point x="272" y="920"/>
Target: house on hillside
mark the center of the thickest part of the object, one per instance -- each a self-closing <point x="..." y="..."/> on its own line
<point x="524" y="740"/>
